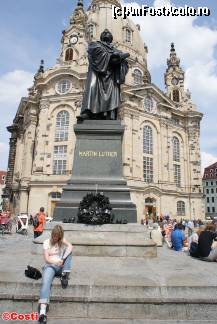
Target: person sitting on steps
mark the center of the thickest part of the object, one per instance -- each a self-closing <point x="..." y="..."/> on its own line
<point x="58" y="257"/>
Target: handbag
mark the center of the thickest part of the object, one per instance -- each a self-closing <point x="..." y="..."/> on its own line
<point x="33" y="273"/>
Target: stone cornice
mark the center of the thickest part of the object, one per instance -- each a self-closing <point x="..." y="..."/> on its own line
<point x="151" y="189"/>
<point x="193" y="114"/>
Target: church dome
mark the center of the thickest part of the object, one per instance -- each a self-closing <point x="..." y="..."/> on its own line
<point x="126" y="35"/>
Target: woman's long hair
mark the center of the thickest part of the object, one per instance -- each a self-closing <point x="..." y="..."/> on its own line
<point x="210" y="227"/>
<point x="57" y="231"/>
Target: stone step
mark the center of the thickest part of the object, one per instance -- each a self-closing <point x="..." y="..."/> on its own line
<point x="172" y="288"/>
<point x="112" y="303"/>
<point x="52" y="320"/>
<point x="124" y="321"/>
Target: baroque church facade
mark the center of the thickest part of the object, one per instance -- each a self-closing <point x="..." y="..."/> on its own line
<point x="161" y="149"/>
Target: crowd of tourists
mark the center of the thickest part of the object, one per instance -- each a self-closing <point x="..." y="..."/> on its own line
<point x="196" y="238"/>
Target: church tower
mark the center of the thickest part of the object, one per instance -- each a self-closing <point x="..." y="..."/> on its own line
<point x="174" y="77"/>
<point x="73" y="43"/>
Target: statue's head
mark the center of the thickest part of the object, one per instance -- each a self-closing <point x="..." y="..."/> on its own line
<point x="106" y="36"/>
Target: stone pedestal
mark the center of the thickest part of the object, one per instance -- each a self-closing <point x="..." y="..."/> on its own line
<point x="108" y="240"/>
<point x="97" y="167"/>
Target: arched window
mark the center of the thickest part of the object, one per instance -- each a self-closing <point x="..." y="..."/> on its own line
<point x="147" y="140"/>
<point x="148" y="154"/>
<point x="176" y="149"/>
<point x="148" y="104"/>
<point x="176" y="95"/>
<point x="180" y="208"/>
<point x="138" y="77"/>
<point x="128" y="35"/>
<point x="62" y="126"/>
<point x="69" y="54"/>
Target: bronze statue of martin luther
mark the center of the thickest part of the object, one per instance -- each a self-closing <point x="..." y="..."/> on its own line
<point x="107" y="70"/>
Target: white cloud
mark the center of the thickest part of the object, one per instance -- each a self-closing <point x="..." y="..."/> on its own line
<point x="4" y="150"/>
<point x="202" y="80"/>
<point x="3" y="147"/>
<point x="13" y="85"/>
<point x="207" y="159"/>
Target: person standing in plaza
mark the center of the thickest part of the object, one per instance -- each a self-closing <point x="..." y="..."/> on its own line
<point x="58" y="258"/>
<point x="40" y="222"/>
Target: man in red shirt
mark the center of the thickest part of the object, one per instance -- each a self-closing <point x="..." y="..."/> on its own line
<point x="38" y="230"/>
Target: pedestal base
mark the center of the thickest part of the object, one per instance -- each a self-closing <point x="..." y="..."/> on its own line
<point x="97" y="167"/>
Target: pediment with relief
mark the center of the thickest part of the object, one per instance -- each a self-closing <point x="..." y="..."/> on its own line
<point x="148" y="98"/>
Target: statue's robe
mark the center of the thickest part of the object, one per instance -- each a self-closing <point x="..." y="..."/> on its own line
<point x="105" y="75"/>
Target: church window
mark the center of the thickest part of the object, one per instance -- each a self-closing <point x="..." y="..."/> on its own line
<point x="176" y="95"/>
<point x="55" y="195"/>
<point x="177" y="174"/>
<point x="138" y="77"/>
<point x="59" y="159"/>
<point x="63" y="86"/>
<point x="62" y="126"/>
<point x="69" y="54"/>
<point x="180" y="208"/>
<point x="176" y="149"/>
<point x="128" y="35"/>
<point x="148" y="169"/>
<point x="147" y="140"/>
<point x="148" y="104"/>
<point x="90" y="31"/>
<point x="148" y="151"/>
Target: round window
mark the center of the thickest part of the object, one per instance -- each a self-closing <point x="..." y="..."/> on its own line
<point x="148" y="104"/>
<point x="63" y="86"/>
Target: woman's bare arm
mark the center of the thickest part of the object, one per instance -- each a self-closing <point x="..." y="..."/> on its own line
<point x="69" y="248"/>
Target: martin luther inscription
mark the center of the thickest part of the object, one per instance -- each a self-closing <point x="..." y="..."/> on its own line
<point x="98" y="154"/>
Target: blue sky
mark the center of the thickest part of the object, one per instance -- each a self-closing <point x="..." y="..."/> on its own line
<point x="31" y="30"/>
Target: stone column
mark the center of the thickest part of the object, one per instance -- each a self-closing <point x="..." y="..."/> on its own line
<point x="29" y="139"/>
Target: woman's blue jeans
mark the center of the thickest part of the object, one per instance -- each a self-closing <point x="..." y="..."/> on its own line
<point x="49" y="272"/>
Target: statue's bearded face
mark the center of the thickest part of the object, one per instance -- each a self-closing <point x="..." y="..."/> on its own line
<point x="106" y="36"/>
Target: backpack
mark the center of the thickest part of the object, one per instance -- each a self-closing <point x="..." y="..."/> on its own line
<point x="35" y="221"/>
<point x="193" y="251"/>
